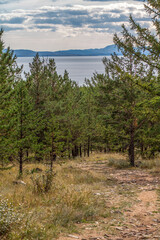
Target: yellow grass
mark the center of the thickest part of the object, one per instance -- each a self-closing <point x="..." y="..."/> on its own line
<point x="71" y="199"/>
<point x="44" y="215"/>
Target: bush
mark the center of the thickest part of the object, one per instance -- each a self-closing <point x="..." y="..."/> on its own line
<point x="119" y="164"/>
<point x="148" y="164"/>
<point x="8" y="217"/>
<point x="43" y="183"/>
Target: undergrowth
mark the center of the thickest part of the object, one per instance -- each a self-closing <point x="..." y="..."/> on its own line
<point x="49" y="203"/>
<point x="9" y="217"/>
<point x="118" y="163"/>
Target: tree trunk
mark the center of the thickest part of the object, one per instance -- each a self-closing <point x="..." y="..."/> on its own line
<point x="20" y="161"/>
<point x="27" y="154"/>
<point x="142" y="150"/>
<point x="80" y="151"/>
<point x="84" y="150"/>
<point x="88" y="146"/>
<point x="21" y="137"/>
<point x="131" y="147"/>
<point x="53" y="155"/>
<point x="75" y="151"/>
<point x="91" y="148"/>
<point x="69" y="152"/>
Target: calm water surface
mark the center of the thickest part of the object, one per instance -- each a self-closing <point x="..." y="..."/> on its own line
<point x="78" y="68"/>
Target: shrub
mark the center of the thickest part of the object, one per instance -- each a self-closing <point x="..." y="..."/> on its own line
<point x="148" y="164"/>
<point x="36" y="170"/>
<point x="43" y="183"/>
<point x="8" y="217"/>
<point x="118" y="163"/>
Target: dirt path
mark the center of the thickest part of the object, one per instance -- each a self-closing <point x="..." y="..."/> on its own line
<point x="133" y="205"/>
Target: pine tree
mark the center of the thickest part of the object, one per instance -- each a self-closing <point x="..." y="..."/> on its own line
<point x="53" y="133"/>
<point x="122" y="102"/>
<point x="23" y="117"/>
<point x="145" y="47"/>
<point x="91" y="128"/>
<point x="37" y="89"/>
<point x="9" y="73"/>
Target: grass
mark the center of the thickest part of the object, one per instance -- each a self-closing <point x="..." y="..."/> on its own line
<point x="48" y="206"/>
<point x="77" y="176"/>
<point x="46" y="213"/>
<point x="150" y="163"/>
<point x="118" y="163"/>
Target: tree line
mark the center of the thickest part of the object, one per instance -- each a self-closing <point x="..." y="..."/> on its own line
<point x="46" y="116"/>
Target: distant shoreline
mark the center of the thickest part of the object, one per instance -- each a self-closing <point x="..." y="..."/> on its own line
<point x="69" y="56"/>
<point x="107" y="51"/>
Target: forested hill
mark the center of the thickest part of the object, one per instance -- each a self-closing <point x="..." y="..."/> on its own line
<point x="107" y="51"/>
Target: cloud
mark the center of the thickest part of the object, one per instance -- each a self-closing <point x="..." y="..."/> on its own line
<point x="7" y="1"/>
<point x="11" y="28"/>
<point x="3" y="2"/>
<point x="105" y="18"/>
<point x="14" y="20"/>
<point x="112" y="0"/>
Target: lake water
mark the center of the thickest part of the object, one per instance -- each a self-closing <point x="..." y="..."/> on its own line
<point x="78" y="68"/>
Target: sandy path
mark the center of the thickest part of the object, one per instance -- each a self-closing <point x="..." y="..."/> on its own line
<point x="134" y="194"/>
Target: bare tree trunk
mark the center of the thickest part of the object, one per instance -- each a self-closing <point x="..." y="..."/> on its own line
<point x="84" y="150"/>
<point x="80" y="151"/>
<point x="88" y="146"/>
<point x="20" y="161"/>
<point x="21" y="137"/>
<point x="131" y="147"/>
<point x="53" y="155"/>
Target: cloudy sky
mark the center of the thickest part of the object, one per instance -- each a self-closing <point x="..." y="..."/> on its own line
<point x="66" y="24"/>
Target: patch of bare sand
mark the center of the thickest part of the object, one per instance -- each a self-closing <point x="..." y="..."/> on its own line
<point x="146" y="205"/>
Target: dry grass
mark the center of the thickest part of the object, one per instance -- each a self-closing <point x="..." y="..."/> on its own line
<point x="70" y="200"/>
<point x="45" y="214"/>
<point x="150" y="164"/>
<point x="100" y="157"/>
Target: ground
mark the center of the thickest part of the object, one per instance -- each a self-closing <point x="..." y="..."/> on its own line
<point x="93" y="198"/>
<point x="132" y="199"/>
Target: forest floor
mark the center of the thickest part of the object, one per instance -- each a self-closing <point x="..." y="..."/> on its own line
<point x="95" y="198"/>
<point x="133" y="201"/>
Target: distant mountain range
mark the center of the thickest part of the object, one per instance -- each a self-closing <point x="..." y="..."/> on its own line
<point x="107" y="51"/>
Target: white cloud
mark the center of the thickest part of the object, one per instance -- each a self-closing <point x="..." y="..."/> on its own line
<point x="59" y="26"/>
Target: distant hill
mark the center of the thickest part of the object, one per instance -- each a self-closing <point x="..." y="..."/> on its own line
<point x="107" y="51"/>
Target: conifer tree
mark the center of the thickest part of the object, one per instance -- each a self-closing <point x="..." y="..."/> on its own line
<point x="145" y="43"/>
<point x="91" y="127"/>
<point x="70" y="115"/>
<point x="145" y="48"/>
<point x="22" y="135"/>
<point x="121" y="102"/>
<point x="37" y="89"/>
<point x="51" y="105"/>
<point x="9" y="73"/>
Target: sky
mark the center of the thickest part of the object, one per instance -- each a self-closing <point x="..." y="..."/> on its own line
<point x="53" y="25"/>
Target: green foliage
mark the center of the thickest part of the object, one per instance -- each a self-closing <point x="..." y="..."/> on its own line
<point x="47" y="116"/>
<point x="144" y="48"/>
<point x="9" y="74"/>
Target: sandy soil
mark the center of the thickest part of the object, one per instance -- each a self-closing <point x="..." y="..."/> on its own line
<point x="133" y="203"/>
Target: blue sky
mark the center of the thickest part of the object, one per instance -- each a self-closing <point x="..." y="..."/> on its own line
<point x="65" y="24"/>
